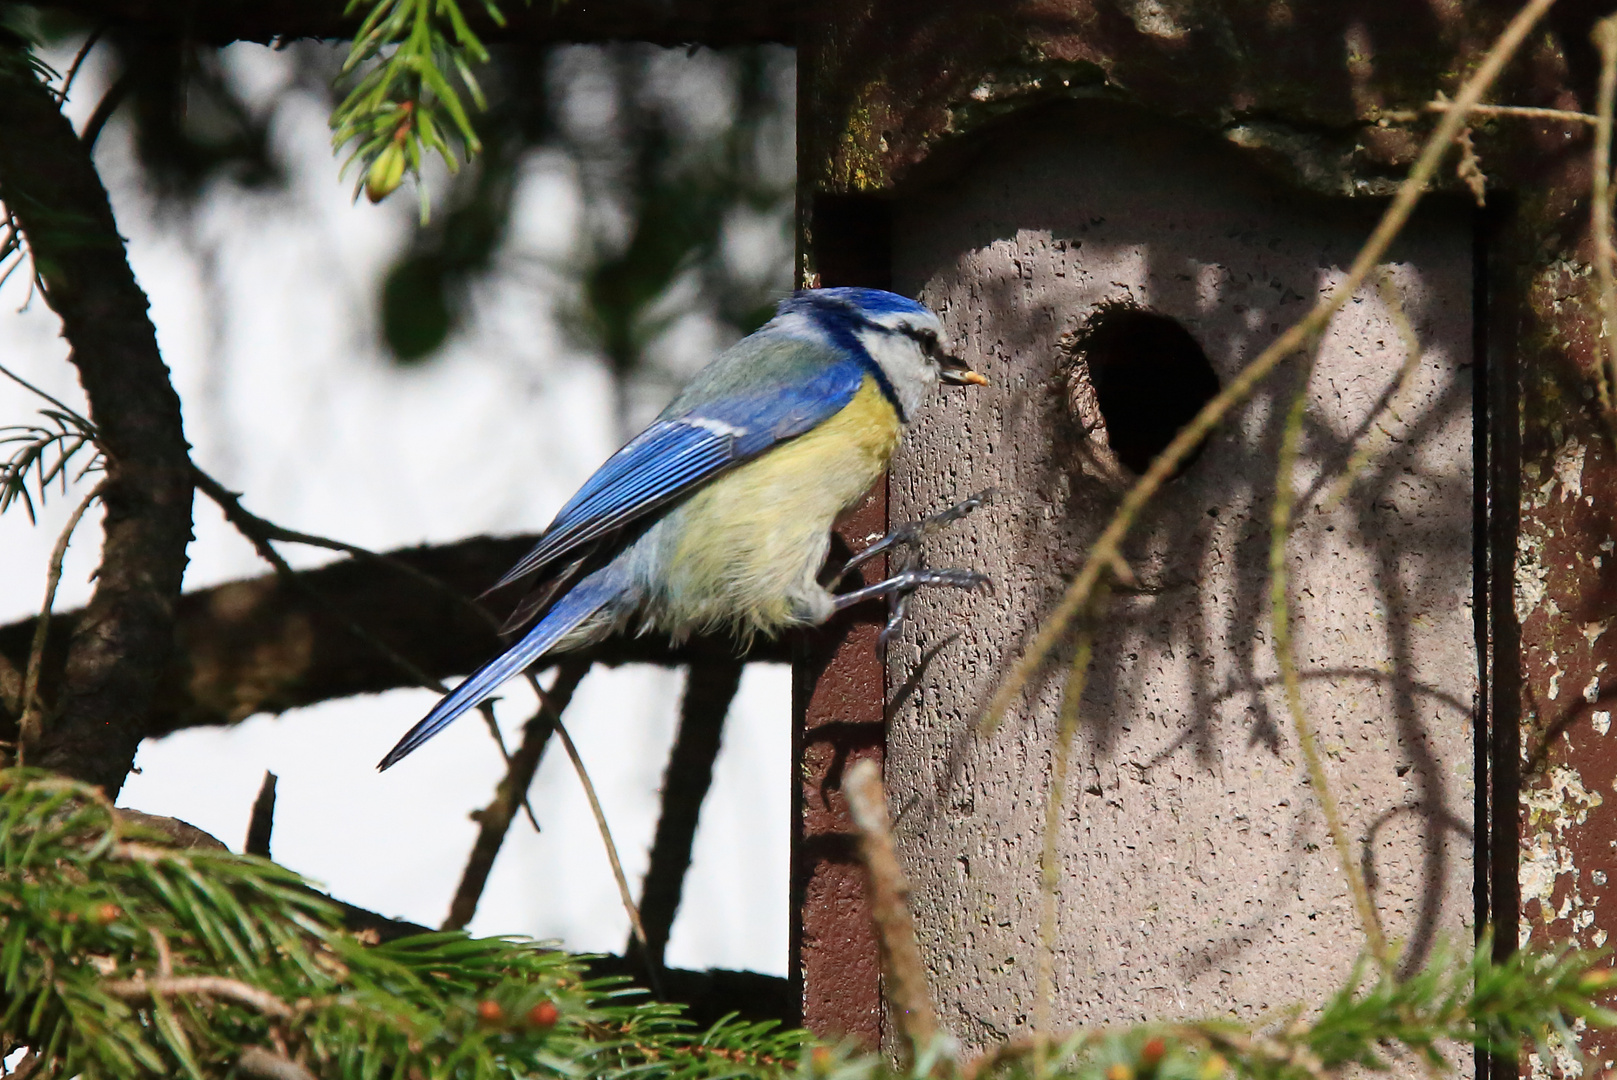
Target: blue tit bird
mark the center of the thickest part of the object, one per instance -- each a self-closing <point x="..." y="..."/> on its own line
<point x="719" y="515"/>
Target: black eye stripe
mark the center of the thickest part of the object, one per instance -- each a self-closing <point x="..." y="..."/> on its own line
<point x="926" y="338"/>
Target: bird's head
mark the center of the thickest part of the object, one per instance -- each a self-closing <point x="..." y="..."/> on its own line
<point x="905" y="339"/>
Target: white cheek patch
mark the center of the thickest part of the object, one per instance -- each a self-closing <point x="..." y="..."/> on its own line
<point x="905" y="366"/>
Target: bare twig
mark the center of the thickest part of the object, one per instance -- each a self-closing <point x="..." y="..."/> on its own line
<point x="1605" y="39"/>
<point x="491" y="724"/>
<point x="262" y="533"/>
<point x="84" y="421"/>
<point x="78" y="61"/>
<point x="889" y="907"/>
<point x="606" y="833"/>
<point x="266" y="1064"/>
<point x="494" y="820"/>
<point x="253" y="528"/>
<point x="1376" y="437"/>
<point x="1108" y="547"/>
<point x="1526" y="112"/>
<point x="709" y="690"/>
<point x="31" y="726"/>
<point x="1285" y="655"/>
<point x="1049" y="866"/>
<point x="261" y="826"/>
<point x="141" y="988"/>
<point x="230" y="503"/>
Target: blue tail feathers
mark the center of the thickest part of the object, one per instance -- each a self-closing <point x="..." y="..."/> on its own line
<point x="582" y="601"/>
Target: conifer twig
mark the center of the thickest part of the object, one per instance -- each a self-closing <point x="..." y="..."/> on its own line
<point x="1605" y="39"/>
<point x="1286" y="657"/>
<point x="266" y="1064"/>
<point x="889" y="906"/>
<point x="1526" y="112"/>
<point x="142" y="988"/>
<point x="606" y="833"/>
<point x="1375" y="437"/>
<point x="1108" y="547"/>
<point x="31" y="726"/>
<point x="240" y="516"/>
<point x="1049" y="867"/>
<point x="494" y="820"/>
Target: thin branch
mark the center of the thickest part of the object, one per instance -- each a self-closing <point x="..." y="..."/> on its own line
<point x="889" y="907"/>
<point x="31" y="726"/>
<point x="141" y="988"/>
<point x="230" y="502"/>
<point x="261" y="533"/>
<point x="261" y="645"/>
<point x="495" y="819"/>
<point x="1605" y="38"/>
<point x="1285" y="655"/>
<point x="266" y="1064"/>
<point x="126" y="636"/>
<point x="109" y="103"/>
<point x="709" y="691"/>
<point x="1376" y="437"/>
<point x="78" y="61"/>
<point x="1526" y="112"/>
<point x="491" y="724"/>
<point x="1049" y="866"/>
<point x="606" y="836"/>
<point x="261" y="826"/>
<point x="251" y="527"/>
<point x="1108" y="547"/>
<point x="37" y="392"/>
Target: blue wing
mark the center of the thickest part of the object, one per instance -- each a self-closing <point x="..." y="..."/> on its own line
<point x="722" y="420"/>
<point x="769" y="388"/>
<point x="582" y="601"/>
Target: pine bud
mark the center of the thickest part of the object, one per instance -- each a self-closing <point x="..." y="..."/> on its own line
<point x="543" y="1015"/>
<point x="1152" y="1052"/>
<point x="387" y="171"/>
<point x="489" y="1012"/>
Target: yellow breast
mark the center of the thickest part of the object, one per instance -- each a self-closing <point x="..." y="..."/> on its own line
<point x="749" y="543"/>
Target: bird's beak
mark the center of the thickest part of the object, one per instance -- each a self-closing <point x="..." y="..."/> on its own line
<point x="952" y="369"/>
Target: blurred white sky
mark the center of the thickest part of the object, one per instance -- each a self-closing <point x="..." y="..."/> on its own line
<point x="264" y="310"/>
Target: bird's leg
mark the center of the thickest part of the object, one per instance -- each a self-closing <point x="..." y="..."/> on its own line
<point x="911" y="533"/>
<point x="899" y="587"/>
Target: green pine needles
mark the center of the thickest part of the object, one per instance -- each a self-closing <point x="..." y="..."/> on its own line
<point x="408" y="103"/>
<point x="121" y="956"/>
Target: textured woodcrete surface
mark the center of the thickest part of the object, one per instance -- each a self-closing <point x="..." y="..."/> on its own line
<point x="1197" y="874"/>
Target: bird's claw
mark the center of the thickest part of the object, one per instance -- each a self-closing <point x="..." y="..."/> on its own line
<point x="899" y="599"/>
<point x="911" y="533"/>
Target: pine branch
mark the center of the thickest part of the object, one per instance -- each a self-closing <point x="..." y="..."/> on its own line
<point x="715" y="23"/>
<point x="261" y="645"/>
<point x="124" y="639"/>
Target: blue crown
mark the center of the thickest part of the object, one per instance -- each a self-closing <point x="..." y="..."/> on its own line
<point x="849" y="302"/>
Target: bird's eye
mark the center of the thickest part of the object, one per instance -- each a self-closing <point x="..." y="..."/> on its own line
<point x="928" y="340"/>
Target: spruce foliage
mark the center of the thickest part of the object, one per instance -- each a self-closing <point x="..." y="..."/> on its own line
<point x="121" y="956"/>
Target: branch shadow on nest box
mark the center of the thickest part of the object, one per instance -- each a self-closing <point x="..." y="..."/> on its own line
<point x="1193" y="880"/>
